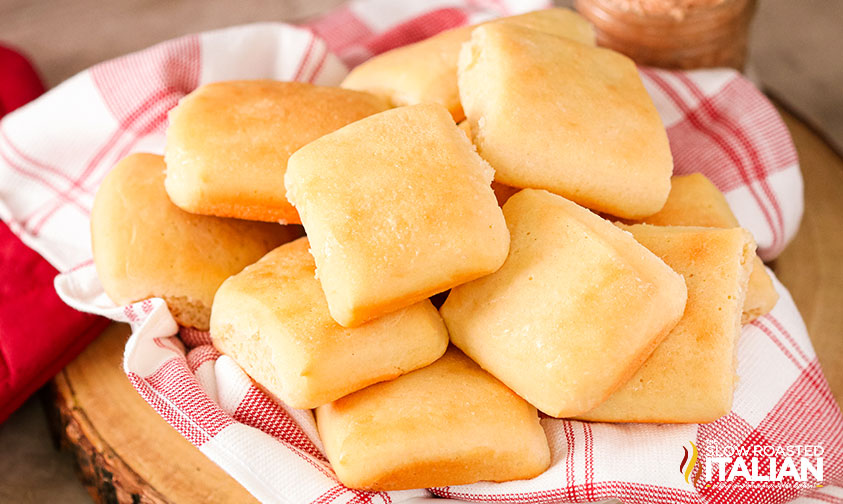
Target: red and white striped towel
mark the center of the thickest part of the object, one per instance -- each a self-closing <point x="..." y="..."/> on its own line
<point x="55" y="151"/>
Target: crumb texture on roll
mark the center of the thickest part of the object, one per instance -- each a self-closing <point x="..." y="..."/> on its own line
<point x="690" y="377"/>
<point x="450" y="423"/>
<point x="550" y="113"/>
<point x="695" y="201"/>
<point x="397" y="207"/>
<point x="574" y="311"/>
<point x="273" y="320"/>
<point x="144" y="246"/>
<point x="228" y="143"/>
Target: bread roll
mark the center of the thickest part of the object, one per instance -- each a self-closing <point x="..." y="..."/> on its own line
<point x="558" y="21"/>
<point x="397" y="208"/>
<point x="465" y="128"/>
<point x="553" y="114"/>
<point x="695" y="201"/>
<point x="228" y="143"/>
<point x="502" y="191"/>
<point x="450" y="423"/>
<point x="690" y="376"/>
<point x="273" y="320"/>
<point x="575" y="310"/>
<point x="145" y="246"/>
<point x="761" y="295"/>
<point x="426" y="72"/>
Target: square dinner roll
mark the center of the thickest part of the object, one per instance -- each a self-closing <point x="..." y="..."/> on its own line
<point x="426" y="72"/>
<point x="690" y="376"/>
<point x="397" y="208"/>
<point x="450" y="423"/>
<point x="574" y="311"/>
<point x="550" y="113"/>
<point x="273" y="320"/>
<point x="228" y="143"/>
<point x="695" y="201"/>
<point x="145" y="246"/>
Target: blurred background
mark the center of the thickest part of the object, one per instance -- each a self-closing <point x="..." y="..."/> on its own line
<point x="794" y="55"/>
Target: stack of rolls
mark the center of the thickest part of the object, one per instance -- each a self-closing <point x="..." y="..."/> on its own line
<point x="513" y="168"/>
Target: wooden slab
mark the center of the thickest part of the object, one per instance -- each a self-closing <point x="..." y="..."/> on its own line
<point x="127" y="453"/>
<point x="124" y="450"/>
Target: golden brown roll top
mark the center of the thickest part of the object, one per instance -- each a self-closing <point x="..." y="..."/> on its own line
<point x="690" y="377"/>
<point x="228" y="143"/>
<point x="272" y="318"/>
<point x="450" y="423"/>
<point x="397" y="207"/>
<point x="553" y="114"/>
<point x="426" y="72"/>
<point x="573" y="312"/>
<point x="695" y="201"/>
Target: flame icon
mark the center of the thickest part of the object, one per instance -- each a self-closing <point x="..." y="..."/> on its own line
<point x="687" y="468"/>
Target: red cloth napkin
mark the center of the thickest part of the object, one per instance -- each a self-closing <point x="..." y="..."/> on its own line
<point x="20" y="83"/>
<point x="39" y="334"/>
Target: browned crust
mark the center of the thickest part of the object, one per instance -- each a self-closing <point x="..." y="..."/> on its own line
<point x="748" y="256"/>
<point x="658" y="420"/>
<point x="285" y="214"/>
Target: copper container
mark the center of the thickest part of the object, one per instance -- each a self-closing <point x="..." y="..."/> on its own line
<point x="702" y="34"/>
